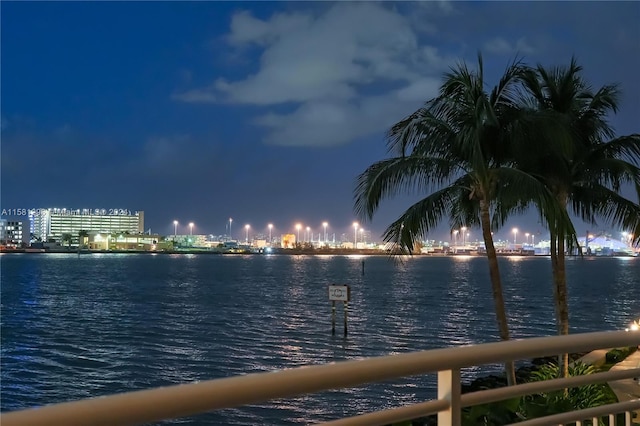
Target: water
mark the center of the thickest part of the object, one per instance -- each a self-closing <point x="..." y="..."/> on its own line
<point x="84" y="326"/>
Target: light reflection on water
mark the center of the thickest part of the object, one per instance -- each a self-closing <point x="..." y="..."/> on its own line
<point x="80" y="326"/>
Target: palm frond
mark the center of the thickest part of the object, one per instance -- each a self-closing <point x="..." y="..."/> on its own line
<point x="412" y="174"/>
<point x="601" y="202"/>
<point x="421" y="217"/>
<point x="625" y="147"/>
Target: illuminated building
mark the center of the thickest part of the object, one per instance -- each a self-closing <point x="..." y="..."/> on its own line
<point x="10" y="233"/>
<point x="288" y="241"/>
<point x="53" y="223"/>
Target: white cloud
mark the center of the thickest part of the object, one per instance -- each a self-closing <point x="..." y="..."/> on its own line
<point x="347" y="72"/>
<point x="419" y="90"/>
<point x="246" y="29"/>
<point x="500" y="46"/>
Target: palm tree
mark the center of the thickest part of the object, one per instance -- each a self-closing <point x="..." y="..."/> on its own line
<point x="81" y="236"/>
<point x="459" y="146"/>
<point x="68" y="238"/>
<point x="588" y="177"/>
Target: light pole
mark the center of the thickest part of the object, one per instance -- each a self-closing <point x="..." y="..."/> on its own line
<point x="355" y="235"/>
<point x="270" y="228"/>
<point x="230" y="221"/>
<point x="464" y="231"/>
<point x="191" y="228"/>
<point x="526" y="236"/>
<point x="515" y="233"/>
<point x="309" y="237"/>
<point x="533" y="240"/>
<point x="362" y="235"/>
<point x="246" y="227"/>
<point x="455" y="238"/>
<point x="298" y="226"/>
<point x="175" y="229"/>
<point x="324" y="225"/>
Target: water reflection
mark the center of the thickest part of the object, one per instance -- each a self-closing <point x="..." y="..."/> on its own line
<point x="90" y="326"/>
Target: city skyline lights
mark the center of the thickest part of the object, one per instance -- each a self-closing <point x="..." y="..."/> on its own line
<point x="216" y="124"/>
<point x="322" y="231"/>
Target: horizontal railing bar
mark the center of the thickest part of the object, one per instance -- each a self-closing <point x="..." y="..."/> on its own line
<point x="506" y="392"/>
<point x="574" y="416"/>
<point x="393" y="415"/>
<point x="481" y="397"/>
<point x="183" y="400"/>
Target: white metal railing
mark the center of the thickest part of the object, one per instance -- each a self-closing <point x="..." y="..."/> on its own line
<point x="145" y="406"/>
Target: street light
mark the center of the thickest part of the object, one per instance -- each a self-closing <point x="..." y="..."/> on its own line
<point x="324" y="225"/>
<point x="298" y="226"/>
<point x="526" y="235"/>
<point x="230" y="220"/>
<point x="533" y="239"/>
<point x="464" y="231"/>
<point x="246" y="227"/>
<point x="175" y="229"/>
<point x="270" y="228"/>
<point x="355" y="235"/>
<point x="455" y="238"/>
<point x="362" y="235"/>
<point x="309" y="237"/>
<point x="515" y="233"/>
<point x="190" y="228"/>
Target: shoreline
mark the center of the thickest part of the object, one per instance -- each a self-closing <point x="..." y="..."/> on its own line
<point x="289" y="252"/>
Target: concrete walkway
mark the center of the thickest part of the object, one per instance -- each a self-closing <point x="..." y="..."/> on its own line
<point x="628" y="389"/>
<point x="625" y="389"/>
<point x="595" y="358"/>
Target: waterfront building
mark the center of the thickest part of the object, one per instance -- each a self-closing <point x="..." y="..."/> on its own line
<point x="10" y="233"/>
<point x="52" y="223"/>
<point x="288" y="241"/>
<point x="604" y="245"/>
<point x="146" y="242"/>
<point x="190" y="240"/>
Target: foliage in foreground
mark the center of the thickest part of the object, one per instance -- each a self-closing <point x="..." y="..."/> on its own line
<point x="577" y="398"/>
<point x="538" y="405"/>
<point x="544" y="404"/>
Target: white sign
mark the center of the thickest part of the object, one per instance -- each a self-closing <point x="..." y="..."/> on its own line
<point x="339" y="292"/>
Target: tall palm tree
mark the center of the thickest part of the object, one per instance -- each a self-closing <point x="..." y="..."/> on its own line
<point x="458" y="146"/>
<point x="66" y="237"/>
<point x="82" y="234"/>
<point x="586" y="178"/>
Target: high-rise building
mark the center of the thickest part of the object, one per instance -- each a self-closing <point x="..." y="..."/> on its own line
<point x="52" y="223"/>
<point x="10" y="233"/>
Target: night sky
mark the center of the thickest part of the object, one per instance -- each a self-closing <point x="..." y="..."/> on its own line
<point x="260" y="111"/>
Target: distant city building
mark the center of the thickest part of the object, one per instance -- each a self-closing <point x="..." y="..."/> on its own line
<point x="288" y="241"/>
<point x="139" y="242"/>
<point x="604" y="245"/>
<point x="190" y="240"/>
<point x="11" y="233"/>
<point x="53" y="223"/>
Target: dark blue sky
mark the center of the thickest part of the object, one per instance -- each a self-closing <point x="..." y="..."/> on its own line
<point x="260" y="111"/>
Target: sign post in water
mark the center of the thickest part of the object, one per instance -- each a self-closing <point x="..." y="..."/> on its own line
<point x="339" y="293"/>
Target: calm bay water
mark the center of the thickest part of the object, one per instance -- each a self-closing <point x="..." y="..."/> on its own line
<point x="84" y="326"/>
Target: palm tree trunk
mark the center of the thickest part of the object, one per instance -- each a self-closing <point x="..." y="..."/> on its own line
<point x="560" y="284"/>
<point x="496" y="285"/>
<point x="561" y="305"/>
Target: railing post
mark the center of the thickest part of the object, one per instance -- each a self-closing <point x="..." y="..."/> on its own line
<point x="449" y="389"/>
